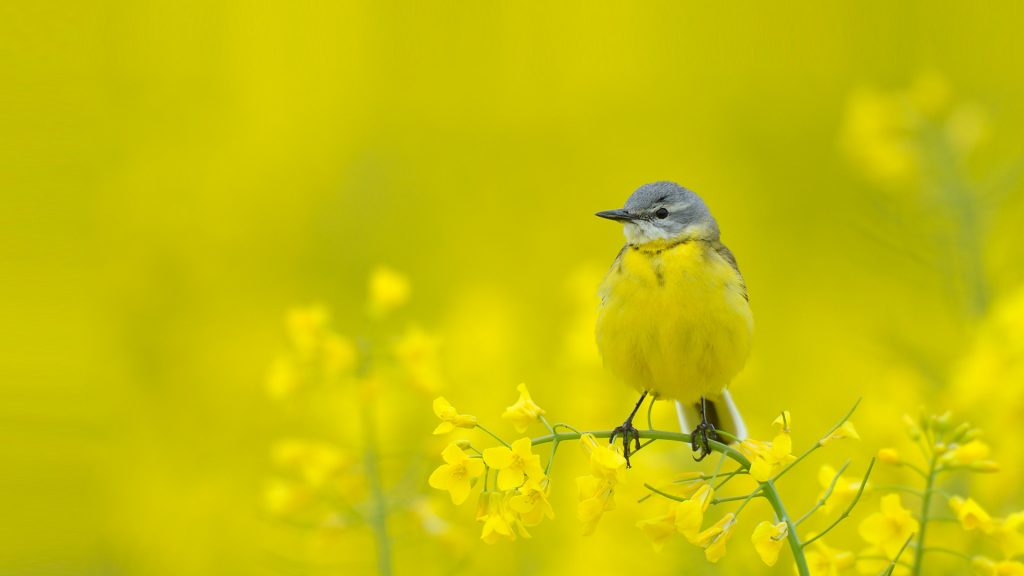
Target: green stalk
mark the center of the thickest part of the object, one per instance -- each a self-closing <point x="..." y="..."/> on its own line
<point x="379" y="518"/>
<point x="926" y="501"/>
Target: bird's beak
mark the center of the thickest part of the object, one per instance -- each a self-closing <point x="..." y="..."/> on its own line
<point x="620" y="215"/>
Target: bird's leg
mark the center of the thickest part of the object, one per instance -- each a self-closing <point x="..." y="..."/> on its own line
<point x="702" y="433"/>
<point x="629" y="432"/>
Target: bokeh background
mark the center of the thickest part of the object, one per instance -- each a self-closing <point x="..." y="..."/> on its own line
<point x="189" y="188"/>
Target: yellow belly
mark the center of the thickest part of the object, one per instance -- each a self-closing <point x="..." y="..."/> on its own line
<point x="674" y="322"/>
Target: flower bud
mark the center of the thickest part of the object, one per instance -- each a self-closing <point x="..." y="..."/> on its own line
<point x="889" y="456"/>
<point x="464" y="444"/>
<point x="984" y="466"/>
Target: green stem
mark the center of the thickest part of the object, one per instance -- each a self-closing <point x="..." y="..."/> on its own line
<point x="379" y="516"/>
<point x="824" y="497"/>
<point x="849" y="507"/>
<point x="925" y="505"/>
<point x="818" y="444"/>
<point x="767" y="488"/>
<point x="495" y="436"/>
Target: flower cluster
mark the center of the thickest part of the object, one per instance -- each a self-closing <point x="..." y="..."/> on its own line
<point x="514" y="485"/>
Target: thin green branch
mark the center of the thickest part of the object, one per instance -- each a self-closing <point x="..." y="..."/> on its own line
<point x="892" y="565"/>
<point x="926" y="503"/>
<point x="817" y="444"/>
<point x="495" y="436"/>
<point x="849" y="508"/>
<point x="824" y="497"/>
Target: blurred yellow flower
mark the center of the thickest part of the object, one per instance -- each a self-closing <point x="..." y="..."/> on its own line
<point x="971" y="515"/>
<point x="843" y="493"/>
<point x="450" y="417"/>
<point x="660" y="528"/>
<point x="282" y="497"/>
<point x="597" y="496"/>
<point x="966" y="454"/>
<point x="823" y="560"/>
<point x="282" y="379"/>
<point x="988" y="567"/>
<point x="767" y="458"/>
<point x="531" y="503"/>
<point x="388" y="291"/>
<point x="889" y="528"/>
<point x="456" y="474"/>
<point x="417" y="354"/>
<point x="340" y="355"/>
<point x="524" y="412"/>
<point x="847" y="430"/>
<point x="496" y="519"/>
<point x="890" y="456"/>
<point x="690" y="514"/>
<point x="514" y="465"/>
<point x="306" y="328"/>
<point x="768" y="539"/>
<point x="1008" y="534"/>
<point x="316" y="462"/>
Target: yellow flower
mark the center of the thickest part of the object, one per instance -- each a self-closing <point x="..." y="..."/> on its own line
<point x="847" y="430"/>
<point x="283" y="379"/>
<point x="605" y="461"/>
<point x="524" y="411"/>
<point x="492" y="512"/>
<point x="660" y="528"/>
<point x="306" y="327"/>
<point x="417" y="353"/>
<point x="768" y="539"/>
<point x="388" y="291"/>
<point x="1007" y="534"/>
<point x="531" y="503"/>
<point x="714" y="538"/>
<point x="514" y="465"/>
<point x="971" y="515"/>
<point x="339" y="355"/>
<point x="889" y="528"/>
<point x="450" y="417"/>
<point x="317" y="462"/>
<point x="457" y="473"/>
<point x="767" y="458"/>
<point x="844" y="492"/>
<point x="988" y="567"/>
<point x="690" y="514"/>
<point x="281" y="497"/>
<point x="825" y="561"/>
<point x="597" y="496"/>
<point x="967" y="454"/>
<point x="890" y="456"/>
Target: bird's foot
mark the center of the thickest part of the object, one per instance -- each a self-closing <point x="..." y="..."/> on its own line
<point x="699" y="439"/>
<point x="630" y="436"/>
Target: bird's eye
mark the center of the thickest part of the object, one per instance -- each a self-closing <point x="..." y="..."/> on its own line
<point x="662" y="213"/>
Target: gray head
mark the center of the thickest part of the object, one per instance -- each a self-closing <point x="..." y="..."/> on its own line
<point x="663" y="211"/>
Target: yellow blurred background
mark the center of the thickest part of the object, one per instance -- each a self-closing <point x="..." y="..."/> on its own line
<point x="177" y="177"/>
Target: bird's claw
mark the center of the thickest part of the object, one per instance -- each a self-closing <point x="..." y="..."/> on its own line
<point x="699" y="440"/>
<point x="629" y="434"/>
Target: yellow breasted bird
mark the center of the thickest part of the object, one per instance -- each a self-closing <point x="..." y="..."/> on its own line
<point x="674" y="320"/>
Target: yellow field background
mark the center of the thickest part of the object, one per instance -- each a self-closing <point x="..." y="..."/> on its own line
<point x="190" y="189"/>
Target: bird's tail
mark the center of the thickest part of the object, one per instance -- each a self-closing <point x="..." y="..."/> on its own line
<point x="721" y="412"/>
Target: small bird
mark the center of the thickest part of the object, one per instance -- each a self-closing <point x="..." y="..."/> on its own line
<point x="675" y="321"/>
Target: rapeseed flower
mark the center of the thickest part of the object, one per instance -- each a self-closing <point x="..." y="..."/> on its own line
<point x="524" y="412"/>
<point x="768" y="539"/>
<point x="450" y="417"/>
<point x="457" y="473"/>
<point x="890" y="527"/>
<point x="515" y="464"/>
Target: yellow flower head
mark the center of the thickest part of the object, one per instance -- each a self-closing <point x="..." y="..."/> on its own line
<point x="971" y="515"/>
<point x="1007" y="533"/>
<point x="890" y="456"/>
<point x="388" y="291"/>
<point x="531" y="503"/>
<point x="690" y="514"/>
<point x="889" y="528"/>
<point x="457" y="473"/>
<point x="846" y="430"/>
<point x="967" y="454"/>
<point x="660" y="528"/>
<point x="597" y="496"/>
<point x="825" y="561"/>
<point x="514" y="464"/>
<point x="340" y="355"/>
<point x="493" y="512"/>
<point x="768" y="539"/>
<point x="418" y="355"/>
<point x="988" y="567"/>
<point x="714" y="538"/>
<point x="524" y="412"/>
<point x="844" y="491"/>
<point x="450" y="417"/>
<point x="306" y="327"/>
<point x="605" y="461"/>
<point x="767" y="458"/>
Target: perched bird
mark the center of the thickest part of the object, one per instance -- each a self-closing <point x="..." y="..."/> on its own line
<point x="674" y="321"/>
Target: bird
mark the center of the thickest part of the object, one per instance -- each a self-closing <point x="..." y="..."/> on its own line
<point x="674" y="320"/>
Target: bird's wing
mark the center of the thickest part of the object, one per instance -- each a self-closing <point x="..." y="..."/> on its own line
<point x="615" y="267"/>
<point x="727" y="255"/>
